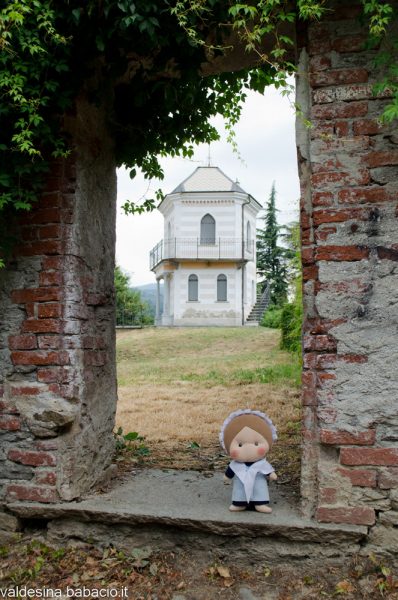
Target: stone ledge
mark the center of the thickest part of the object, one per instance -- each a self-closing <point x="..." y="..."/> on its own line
<point x="191" y="501"/>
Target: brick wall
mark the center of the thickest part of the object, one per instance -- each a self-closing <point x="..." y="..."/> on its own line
<point x="57" y="373"/>
<point x="349" y="207"/>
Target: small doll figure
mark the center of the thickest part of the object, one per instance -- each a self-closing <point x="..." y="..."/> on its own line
<point x="247" y="436"/>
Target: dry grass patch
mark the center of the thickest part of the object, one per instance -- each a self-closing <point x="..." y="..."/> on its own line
<point x="176" y="386"/>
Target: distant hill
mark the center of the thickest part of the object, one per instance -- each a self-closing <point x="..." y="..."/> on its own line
<point x="148" y="293"/>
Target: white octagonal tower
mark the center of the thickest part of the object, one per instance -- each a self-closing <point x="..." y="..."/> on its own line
<point x="207" y="258"/>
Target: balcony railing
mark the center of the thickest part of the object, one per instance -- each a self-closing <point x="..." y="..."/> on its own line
<point x="196" y="249"/>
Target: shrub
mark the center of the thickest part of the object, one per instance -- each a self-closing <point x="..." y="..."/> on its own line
<point x="291" y="323"/>
<point x="272" y="317"/>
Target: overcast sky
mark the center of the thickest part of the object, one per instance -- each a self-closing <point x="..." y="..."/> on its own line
<point x="266" y="141"/>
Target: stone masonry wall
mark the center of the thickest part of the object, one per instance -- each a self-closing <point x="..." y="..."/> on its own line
<point x="349" y="219"/>
<point x="57" y="371"/>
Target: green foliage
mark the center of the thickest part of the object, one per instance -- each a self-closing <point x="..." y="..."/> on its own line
<point x="140" y="61"/>
<point x="272" y="317"/>
<point x="131" y="443"/>
<point x="285" y="371"/>
<point x="272" y="258"/>
<point x="130" y="308"/>
<point x="292" y="313"/>
<point x="291" y="322"/>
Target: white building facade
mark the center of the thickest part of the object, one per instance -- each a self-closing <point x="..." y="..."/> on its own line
<point x="207" y="258"/>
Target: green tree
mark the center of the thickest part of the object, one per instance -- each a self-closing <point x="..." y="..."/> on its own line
<point x="143" y="63"/>
<point x="292" y="312"/>
<point x="272" y="258"/>
<point x="130" y="307"/>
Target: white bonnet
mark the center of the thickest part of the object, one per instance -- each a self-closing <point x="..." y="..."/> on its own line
<point x="247" y="411"/>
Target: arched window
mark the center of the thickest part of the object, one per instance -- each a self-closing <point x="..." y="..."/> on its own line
<point x="193" y="288"/>
<point x="248" y="236"/>
<point x="207" y="230"/>
<point x="221" y="288"/>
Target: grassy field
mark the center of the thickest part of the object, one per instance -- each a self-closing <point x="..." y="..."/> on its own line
<point x="176" y="386"/>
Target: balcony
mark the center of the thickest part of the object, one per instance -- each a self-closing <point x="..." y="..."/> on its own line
<point x="196" y="249"/>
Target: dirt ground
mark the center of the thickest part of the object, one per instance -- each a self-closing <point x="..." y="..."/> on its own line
<point x="176" y="387"/>
<point x="29" y="563"/>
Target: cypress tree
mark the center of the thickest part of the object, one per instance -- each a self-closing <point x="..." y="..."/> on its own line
<point x="271" y="257"/>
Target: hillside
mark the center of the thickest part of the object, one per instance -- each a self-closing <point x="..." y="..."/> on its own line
<point x="148" y="293"/>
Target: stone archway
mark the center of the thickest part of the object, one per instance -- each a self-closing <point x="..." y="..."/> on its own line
<point x="58" y="385"/>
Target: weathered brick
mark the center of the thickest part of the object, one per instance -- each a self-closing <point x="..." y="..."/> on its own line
<point x="322" y="199"/>
<point x="334" y="77"/>
<point x="25" y="390"/>
<point x="307" y="256"/>
<point x="321" y="235"/>
<point x="340" y="178"/>
<point x="366" y="127"/>
<point x="320" y="63"/>
<point x="47" y="278"/>
<point x="40" y="248"/>
<point x="310" y="273"/>
<point x="28" y="234"/>
<point x="341" y="215"/>
<point x="22" y="342"/>
<point x="365" y="195"/>
<point x="351" y="43"/>
<point x="50" y="232"/>
<point x="53" y="375"/>
<point x="42" y="294"/>
<point x="381" y="158"/>
<point x="42" y="326"/>
<point x="31" y="493"/>
<point x="39" y="357"/>
<point x="353" y="358"/>
<point x="327" y="495"/>
<point x="50" y="200"/>
<point x="9" y="423"/>
<point x="369" y="456"/>
<point x="49" y="311"/>
<point x="32" y="458"/>
<point x="320" y="343"/>
<point x="387" y="253"/>
<point x="360" y="477"/>
<point x="45" y="215"/>
<point x="340" y="110"/>
<point x="341" y="253"/>
<point x="342" y="128"/>
<point x="341" y="438"/>
<point x="359" y="515"/>
<point x="49" y="342"/>
<point x="53" y="262"/>
<point x="45" y="477"/>
<point x="51" y="444"/>
<point x="308" y="396"/>
<point x="324" y="378"/>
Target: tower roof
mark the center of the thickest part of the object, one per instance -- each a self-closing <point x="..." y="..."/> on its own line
<point x="208" y="179"/>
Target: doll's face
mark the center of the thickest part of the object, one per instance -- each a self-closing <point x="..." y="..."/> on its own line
<point x="248" y="446"/>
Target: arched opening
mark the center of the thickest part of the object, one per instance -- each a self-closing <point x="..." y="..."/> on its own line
<point x="248" y="236"/>
<point x="59" y="343"/>
<point x="222" y="291"/>
<point x="208" y="230"/>
<point x="193" y="288"/>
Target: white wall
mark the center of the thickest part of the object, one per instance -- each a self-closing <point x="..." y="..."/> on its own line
<point x="207" y="310"/>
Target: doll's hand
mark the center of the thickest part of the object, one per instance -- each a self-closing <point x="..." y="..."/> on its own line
<point x="227" y="480"/>
<point x="273" y="476"/>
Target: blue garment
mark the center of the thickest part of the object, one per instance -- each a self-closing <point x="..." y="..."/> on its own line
<point x="250" y="483"/>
